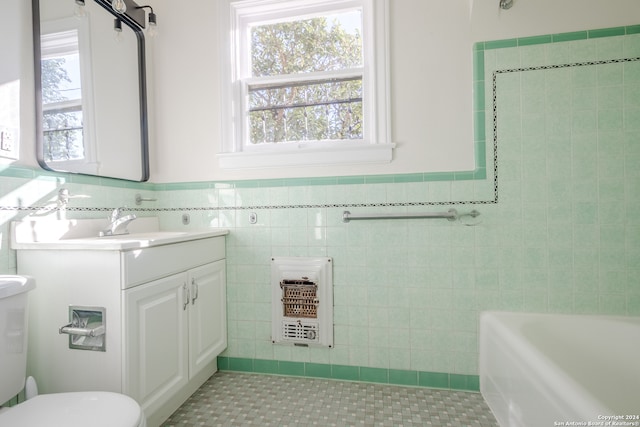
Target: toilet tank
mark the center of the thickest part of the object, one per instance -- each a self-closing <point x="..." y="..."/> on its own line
<point x="13" y="334"/>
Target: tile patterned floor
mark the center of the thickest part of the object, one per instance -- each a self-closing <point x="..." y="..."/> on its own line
<point x="241" y="399"/>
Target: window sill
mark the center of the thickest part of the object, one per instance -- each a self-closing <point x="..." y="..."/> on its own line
<point x="304" y="155"/>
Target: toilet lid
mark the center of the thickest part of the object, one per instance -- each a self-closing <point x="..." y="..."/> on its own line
<point x="96" y="409"/>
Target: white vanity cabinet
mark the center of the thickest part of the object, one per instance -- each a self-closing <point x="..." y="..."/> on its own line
<point x="173" y="333"/>
<point x="165" y="316"/>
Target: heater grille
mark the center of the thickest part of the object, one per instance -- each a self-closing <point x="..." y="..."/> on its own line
<point x="302" y="301"/>
<point x="299" y="298"/>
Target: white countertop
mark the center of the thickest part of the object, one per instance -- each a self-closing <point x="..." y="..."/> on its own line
<point x="82" y="234"/>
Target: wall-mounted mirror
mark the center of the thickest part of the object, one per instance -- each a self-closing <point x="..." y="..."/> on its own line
<point x="90" y="90"/>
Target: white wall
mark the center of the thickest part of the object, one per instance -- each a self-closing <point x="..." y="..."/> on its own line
<point x="10" y="67"/>
<point x="538" y="17"/>
<point x="431" y="43"/>
<point x="16" y="77"/>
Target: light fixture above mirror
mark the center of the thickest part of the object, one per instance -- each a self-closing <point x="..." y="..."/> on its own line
<point x="79" y="11"/>
<point x="119" y="6"/>
<point x="153" y="20"/>
<point x="127" y="8"/>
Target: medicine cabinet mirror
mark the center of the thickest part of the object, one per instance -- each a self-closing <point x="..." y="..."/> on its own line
<point x="90" y="91"/>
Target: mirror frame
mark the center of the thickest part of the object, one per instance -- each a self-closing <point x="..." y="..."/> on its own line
<point x="133" y="24"/>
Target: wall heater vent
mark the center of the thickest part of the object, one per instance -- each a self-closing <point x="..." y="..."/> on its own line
<point x="299" y="331"/>
<point x="302" y="301"/>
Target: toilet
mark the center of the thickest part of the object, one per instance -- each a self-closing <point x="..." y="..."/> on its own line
<point x="74" y="409"/>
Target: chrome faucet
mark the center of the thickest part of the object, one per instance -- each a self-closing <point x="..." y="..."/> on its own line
<point x="118" y="223"/>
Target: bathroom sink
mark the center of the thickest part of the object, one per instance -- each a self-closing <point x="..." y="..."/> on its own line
<point x="84" y="234"/>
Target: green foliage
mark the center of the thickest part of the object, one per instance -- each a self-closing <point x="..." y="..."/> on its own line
<point x="54" y="74"/>
<point x="302" y="47"/>
<point x="315" y="110"/>
<point x="62" y="129"/>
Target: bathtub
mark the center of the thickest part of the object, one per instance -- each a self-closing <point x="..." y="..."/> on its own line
<point x="558" y="370"/>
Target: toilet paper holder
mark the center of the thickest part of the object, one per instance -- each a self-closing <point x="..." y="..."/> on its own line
<point x="87" y="328"/>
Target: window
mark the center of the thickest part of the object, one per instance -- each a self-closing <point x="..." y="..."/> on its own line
<point x="61" y="97"/>
<point x="308" y="83"/>
<point x="65" y="98"/>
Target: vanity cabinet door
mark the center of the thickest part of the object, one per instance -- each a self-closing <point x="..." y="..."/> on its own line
<point x="156" y="340"/>
<point x="207" y="315"/>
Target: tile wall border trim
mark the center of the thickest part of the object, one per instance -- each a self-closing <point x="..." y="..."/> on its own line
<point x="62" y="179"/>
<point x="559" y="37"/>
<point x="352" y="373"/>
<point x="479" y="95"/>
<point x="249" y="207"/>
<point x="494" y="87"/>
<point x="35" y="173"/>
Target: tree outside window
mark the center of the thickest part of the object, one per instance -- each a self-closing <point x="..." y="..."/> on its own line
<point x="317" y="108"/>
<point x="61" y="97"/>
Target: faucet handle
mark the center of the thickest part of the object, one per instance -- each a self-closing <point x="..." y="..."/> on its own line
<point x="115" y="214"/>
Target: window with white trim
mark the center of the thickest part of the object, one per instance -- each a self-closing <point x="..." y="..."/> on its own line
<point x="306" y="83"/>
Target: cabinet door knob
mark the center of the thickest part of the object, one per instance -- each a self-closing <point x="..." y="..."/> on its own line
<point x="194" y="291"/>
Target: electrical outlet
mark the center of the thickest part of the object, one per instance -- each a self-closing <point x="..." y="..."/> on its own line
<point x="8" y="143"/>
<point x="253" y="218"/>
<point x="6" y="140"/>
<point x="186" y="219"/>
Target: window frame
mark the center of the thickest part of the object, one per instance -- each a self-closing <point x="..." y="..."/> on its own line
<point x="375" y="147"/>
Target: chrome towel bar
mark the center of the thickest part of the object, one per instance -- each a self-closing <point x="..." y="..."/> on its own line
<point x="451" y="215"/>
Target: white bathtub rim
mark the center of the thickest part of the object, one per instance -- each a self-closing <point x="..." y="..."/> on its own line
<point x="550" y="377"/>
